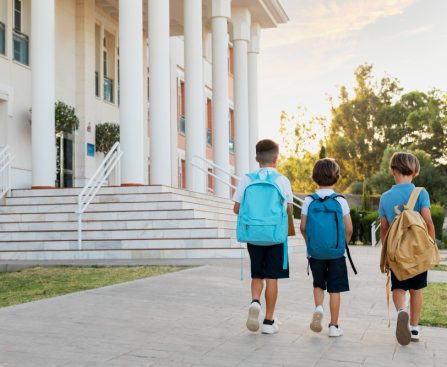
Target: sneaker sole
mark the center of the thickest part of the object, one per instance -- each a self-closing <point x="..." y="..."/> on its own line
<point x="403" y="334"/>
<point x="253" y="319"/>
<point x="414" y="339"/>
<point x="270" y="333"/>
<point x="315" y="324"/>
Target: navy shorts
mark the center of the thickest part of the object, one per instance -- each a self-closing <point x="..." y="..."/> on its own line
<point x="330" y="274"/>
<point x="417" y="282"/>
<point x="267" y="262"/>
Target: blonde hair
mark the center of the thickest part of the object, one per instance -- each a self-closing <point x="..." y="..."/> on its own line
<point x="405" y="163"/>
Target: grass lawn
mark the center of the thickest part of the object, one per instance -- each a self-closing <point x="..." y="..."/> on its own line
<point x="434" y="311"/>
<point x="44" y="282"/>
<point x="440" y="267"/>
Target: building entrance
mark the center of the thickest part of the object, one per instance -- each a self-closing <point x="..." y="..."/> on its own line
<point x="64" y="161"/>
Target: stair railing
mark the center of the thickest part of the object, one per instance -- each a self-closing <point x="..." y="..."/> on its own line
<point x="297" y="202"/>
<point x="6" y="159"/>
<point x="375" y="226"/>
<point x="88" y="193"/>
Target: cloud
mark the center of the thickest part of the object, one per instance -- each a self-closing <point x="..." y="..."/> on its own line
<point x="418" y="30"/>
<point x="331" y="19"/>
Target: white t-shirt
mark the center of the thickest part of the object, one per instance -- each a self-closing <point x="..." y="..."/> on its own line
<point x="323" y="193"/>
<point x="282" y="182"/>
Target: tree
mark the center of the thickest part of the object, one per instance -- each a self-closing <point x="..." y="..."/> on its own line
<point x="356" y="137"/>
<point x="107" y="134"/>
<point x="299" y="171"/>
<point x="65" y="118"/>
<point x="431" y="177"/>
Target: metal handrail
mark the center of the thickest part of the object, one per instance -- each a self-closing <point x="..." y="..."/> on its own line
<point x="237" y="178"/>
<point x="88" y="193"/>
<point x="374" y="227"/>
<point x="6" y="159"/>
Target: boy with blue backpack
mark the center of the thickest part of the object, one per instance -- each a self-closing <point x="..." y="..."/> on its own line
<point x="327" y="227"/>
<point x="263" y="200"/>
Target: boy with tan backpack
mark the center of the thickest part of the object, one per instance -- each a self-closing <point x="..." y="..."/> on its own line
<point x="408" y="243"/>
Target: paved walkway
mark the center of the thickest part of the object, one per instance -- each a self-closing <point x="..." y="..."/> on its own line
<point x="197" y="318"/>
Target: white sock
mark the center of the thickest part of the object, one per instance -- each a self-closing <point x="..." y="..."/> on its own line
<point x="414" y="327"/>
<point x="319" y="308"/>
<point x="403" y="309"/>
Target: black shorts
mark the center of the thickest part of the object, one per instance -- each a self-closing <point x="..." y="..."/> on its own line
<point x="417" y="282"/>
<point x="330" y="274"/>
<point x="267" y="262"/>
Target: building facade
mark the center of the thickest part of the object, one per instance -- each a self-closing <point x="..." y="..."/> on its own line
<point x="178" y="76"/>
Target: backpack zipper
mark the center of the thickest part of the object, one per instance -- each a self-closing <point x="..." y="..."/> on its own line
<point x="336" y="224"/>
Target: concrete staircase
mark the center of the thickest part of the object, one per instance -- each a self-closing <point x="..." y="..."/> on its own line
<point x="124" y="223"/>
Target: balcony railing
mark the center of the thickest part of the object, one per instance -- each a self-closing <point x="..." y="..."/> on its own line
<point x="96" y="84"/>
<point x="209" y="137"/>
<point x="108" y="90"/>
<point x="231" y="144"/>
<point x="21" y="47"/>
<point x="182" y="125"/>
<point x="2" y="38"/>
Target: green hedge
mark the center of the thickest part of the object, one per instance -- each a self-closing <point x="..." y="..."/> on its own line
<point x="437" y="214"/>
<point x="361" y="221"/>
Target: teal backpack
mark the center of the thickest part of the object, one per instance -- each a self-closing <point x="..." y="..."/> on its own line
<point x="262" y="218"/>
<point x="325" y="229"/>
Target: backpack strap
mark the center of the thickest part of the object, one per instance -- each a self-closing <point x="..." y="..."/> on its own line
<point x="315" y="196"/>
<point x="253" y="176"/>
<point x="414" y="197"/>
<point x="350" y="259"/>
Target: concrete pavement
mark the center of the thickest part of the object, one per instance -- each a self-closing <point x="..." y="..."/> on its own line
<point x="197" y="317"/>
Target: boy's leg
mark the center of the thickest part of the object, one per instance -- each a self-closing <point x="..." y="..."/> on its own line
<point x="271" y="295"/>
<point x="318" y="296"/>
<point x="399" y="289"/>
<point x="415" y="306"/>
<point x="335" y="307"/>
<point x="256" y="288"/>
<point x="399" y="299"/>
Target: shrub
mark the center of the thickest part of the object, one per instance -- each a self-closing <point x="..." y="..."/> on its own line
<point x="365" y="226"/>
<point x="356" y="188"/>
<point x="437" y="214"/>
<point x="65" y="118"/>
<point x="355" y="216"/>
<point x="107" y="134"/>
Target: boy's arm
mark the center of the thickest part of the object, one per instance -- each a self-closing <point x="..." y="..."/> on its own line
<point x="236" y="207"/>
<point x="348" y="227"/>
<point x="426" y="214"/>
<point x="384" y="226"/>
<point x="303" y="225"/>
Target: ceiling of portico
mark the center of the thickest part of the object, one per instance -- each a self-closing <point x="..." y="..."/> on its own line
<point x="268" y="13"/>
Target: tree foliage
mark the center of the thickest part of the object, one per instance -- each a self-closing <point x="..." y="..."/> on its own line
<point x="365" y="128"/>
<point x="65" y="118"/>
<point x="107" y="134"/>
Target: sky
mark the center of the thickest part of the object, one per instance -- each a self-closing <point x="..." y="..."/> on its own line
<point x="302" y="62"/>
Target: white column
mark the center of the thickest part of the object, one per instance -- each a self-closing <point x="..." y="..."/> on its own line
<point x="241" y="36"/>
<point x="43" y="93"/>
<point x="221" y="13"/>
<point x="174" y="113"/>
<point x="159" y="92"/>
<point x="253" y="51"/>
<point x="131" y="91"/>
<point x="194" y="114"/>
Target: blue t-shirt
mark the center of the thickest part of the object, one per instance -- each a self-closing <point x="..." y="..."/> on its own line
<point x="399" y="195"/>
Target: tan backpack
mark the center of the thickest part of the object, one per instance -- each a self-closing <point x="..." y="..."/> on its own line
<point x="408" y="249"/>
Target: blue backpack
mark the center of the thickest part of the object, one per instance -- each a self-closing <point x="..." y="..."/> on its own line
<point x="325" y="229"/>
<point x="262" y="218"/>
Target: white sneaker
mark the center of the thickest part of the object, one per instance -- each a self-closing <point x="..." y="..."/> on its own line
<point x="415" y="333"/>
<point x="270" y="329"/>
<point x="335" y="331"/>
<point x="253" y="316"/>
<point x="403" y="334"/>
<point x="315" y="324"/>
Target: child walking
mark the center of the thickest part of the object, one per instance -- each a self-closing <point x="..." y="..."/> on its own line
<point x="404" y="168"/>
<point x="327" y="227"/>
<point x="268" y="262"/>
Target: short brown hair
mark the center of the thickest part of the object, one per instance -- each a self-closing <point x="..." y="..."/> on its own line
<point x="405" y="163"/>
<point x="266" y="151"/>
<point x="326" y="172"/>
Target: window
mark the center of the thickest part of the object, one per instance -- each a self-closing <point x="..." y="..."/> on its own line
<point x="105" y="63"/>
<point x="230" y="61"/>
<point x="183" y="174"/>
<point x="96" y="84"/>
<point x="20" y="41"/>
<point x="182" y="123"/>
<point x="209" y="130"/>
<point x="18" y="15"/>
<point x="2" y="39"/>
<point x="231" y="125"/>
<point x="108" y="89"/>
